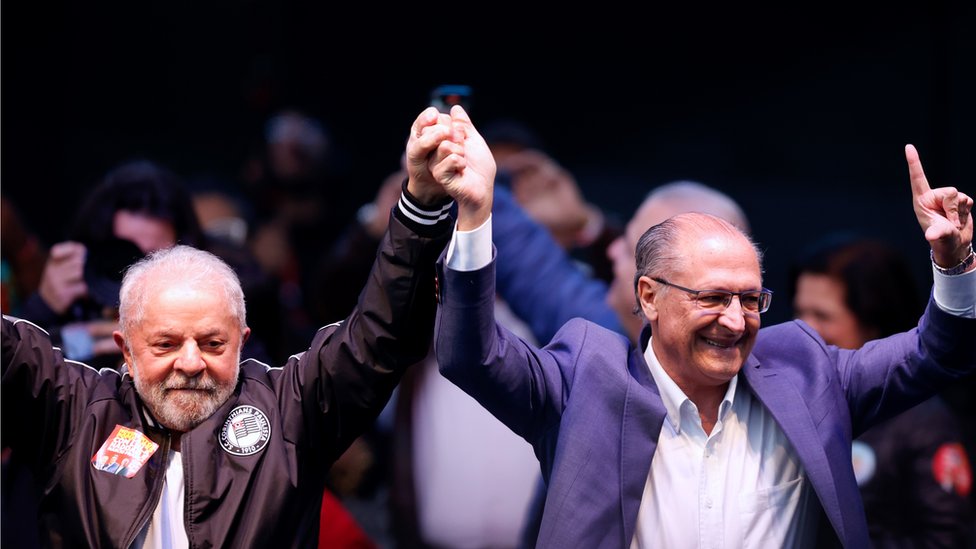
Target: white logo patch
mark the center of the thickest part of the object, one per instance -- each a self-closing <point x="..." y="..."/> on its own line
<point x="245" y="432"/>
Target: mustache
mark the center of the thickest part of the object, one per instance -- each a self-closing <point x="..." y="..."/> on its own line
<point x="178" y="381"/>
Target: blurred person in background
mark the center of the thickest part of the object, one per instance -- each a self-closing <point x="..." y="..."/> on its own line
<point x="913" y="470"/>
<point x="293" y="184"/>
<point x="551" y="195"/>
<point x="138" y="207"/>
<point x="223" y="211"/>
<point x="21" y="257"/>
<point x="538" y="279"/>
<point x="345" y="265"/>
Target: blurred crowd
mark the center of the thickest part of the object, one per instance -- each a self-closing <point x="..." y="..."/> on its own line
<point x="437" y="470"/>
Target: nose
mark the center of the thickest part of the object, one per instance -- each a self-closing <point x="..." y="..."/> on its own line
<point x="733" y="317"/>
<point x="190" y="360"/>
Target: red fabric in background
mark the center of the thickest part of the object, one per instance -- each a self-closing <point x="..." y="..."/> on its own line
<point x="338" y="529"/>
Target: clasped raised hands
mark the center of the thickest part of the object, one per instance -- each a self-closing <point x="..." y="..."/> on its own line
<point x="447" y="156"/>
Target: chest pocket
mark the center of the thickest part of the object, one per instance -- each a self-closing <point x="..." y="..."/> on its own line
<point x="764" y="512"/>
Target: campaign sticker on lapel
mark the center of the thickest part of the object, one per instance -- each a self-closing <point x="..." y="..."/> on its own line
<point x="124" y="452"/>
<point x="246" y="431"/>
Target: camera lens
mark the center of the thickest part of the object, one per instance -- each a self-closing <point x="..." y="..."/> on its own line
<point x="105" y="264"/>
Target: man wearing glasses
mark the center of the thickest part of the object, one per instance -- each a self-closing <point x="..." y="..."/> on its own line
<point x="710" y="433"/>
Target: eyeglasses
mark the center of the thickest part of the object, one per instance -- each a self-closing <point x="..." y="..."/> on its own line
<point x="753" y="301"/>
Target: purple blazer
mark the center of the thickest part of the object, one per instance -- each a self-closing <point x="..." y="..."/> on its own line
<point x="588" y="405"/>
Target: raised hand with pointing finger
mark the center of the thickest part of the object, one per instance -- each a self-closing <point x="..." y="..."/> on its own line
<point x="945" y="215"/>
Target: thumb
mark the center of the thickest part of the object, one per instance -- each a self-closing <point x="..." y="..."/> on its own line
<point x="460" y="115"/>
<point x="457" y="111"/>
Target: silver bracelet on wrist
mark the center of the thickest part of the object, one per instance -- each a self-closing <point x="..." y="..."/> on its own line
<point x="963" y="265"/>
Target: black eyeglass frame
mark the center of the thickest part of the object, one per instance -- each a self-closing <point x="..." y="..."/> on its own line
<point x="763" y="302"/>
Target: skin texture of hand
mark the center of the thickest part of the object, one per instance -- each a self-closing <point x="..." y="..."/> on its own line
<point x="944" y="214"/>
<point x="429" y="131"/>
<point x="83" y="340"/>
<point x="63" y="280"/>
<point x="468" y="171"/>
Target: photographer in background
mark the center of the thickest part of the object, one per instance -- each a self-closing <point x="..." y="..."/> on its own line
<point x="137" y="208"/>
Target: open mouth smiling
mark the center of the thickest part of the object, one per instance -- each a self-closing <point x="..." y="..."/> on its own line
<point x="718" y="344"/>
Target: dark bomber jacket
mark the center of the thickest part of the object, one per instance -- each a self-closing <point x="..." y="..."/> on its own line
<point x="262" y="490"/>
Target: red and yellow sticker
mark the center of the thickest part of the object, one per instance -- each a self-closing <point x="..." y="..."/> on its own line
<point x="124" y="452"/>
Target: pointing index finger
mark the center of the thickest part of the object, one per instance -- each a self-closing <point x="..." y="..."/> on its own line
<point x="920" y="185"/>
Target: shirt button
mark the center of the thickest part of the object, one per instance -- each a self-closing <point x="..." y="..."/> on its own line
<point x="708" y="503"/>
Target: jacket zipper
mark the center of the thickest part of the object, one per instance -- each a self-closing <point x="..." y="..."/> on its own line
<point x="184" y="455"/>
<point x="157" y="491"/>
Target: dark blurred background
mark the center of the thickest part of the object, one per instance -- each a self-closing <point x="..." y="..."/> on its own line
<point x="801" y="114"/>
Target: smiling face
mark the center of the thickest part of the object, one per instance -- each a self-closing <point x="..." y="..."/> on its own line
<point x="667" y="200"/>
<point x="702" y="350"/>
<point x="184" y="351"/>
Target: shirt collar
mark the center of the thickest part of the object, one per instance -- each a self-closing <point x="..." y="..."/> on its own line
<point x="674" y="397"/>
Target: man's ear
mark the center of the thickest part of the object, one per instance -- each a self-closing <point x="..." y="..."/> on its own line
<point x="245" y="335"/>
<point x="646" y="294"/>
<point x="120" y="341"/>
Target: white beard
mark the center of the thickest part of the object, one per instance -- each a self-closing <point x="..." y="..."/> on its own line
<point x="181" y="411"/>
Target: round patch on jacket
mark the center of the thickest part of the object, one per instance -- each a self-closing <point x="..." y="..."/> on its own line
<point x="864" y="462"/>
<point x="246" y="431"/>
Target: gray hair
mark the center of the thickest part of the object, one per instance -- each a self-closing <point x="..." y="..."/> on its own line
<point x="695" y="196"/>
<point x="185" y="263"/>
<point x="658" y="252"/>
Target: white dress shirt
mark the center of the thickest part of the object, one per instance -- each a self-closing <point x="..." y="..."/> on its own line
<point x="165" y="529"/>
<point x="740" y="486"/>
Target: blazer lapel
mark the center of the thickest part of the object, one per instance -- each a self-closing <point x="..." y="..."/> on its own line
<point x="643" y="417"/>
<point x="783" y="401"/>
